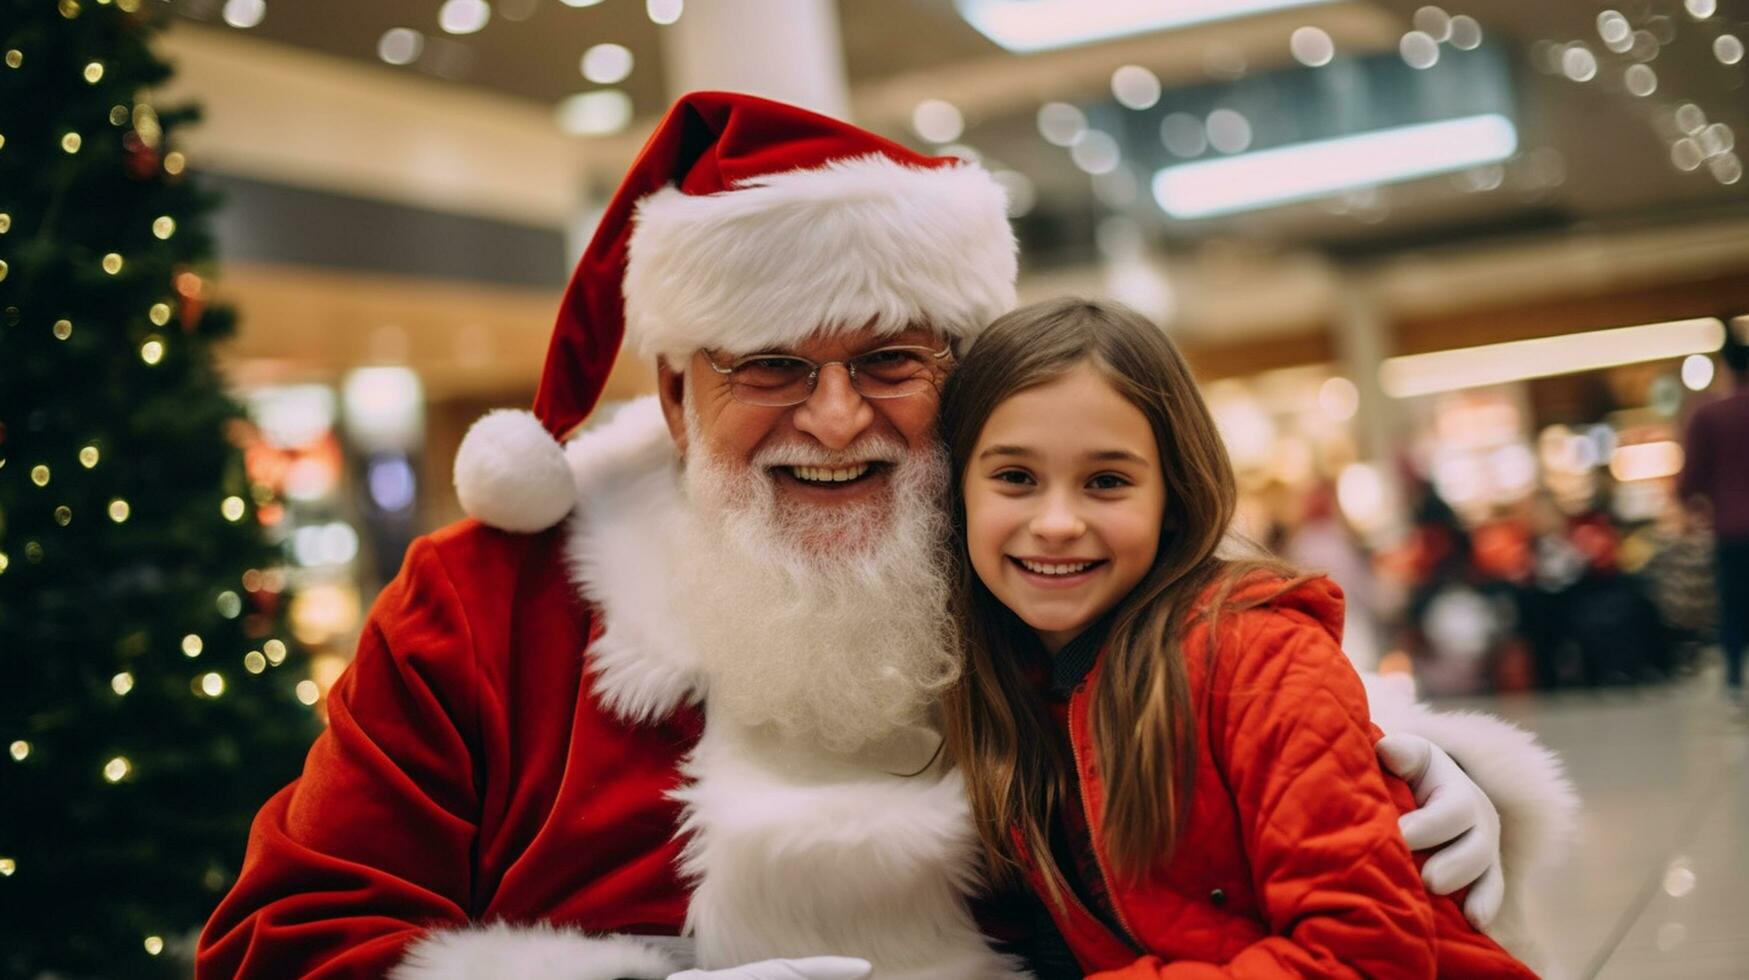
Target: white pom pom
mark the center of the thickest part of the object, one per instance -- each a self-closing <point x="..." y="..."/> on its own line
<point x="510" y="473"/>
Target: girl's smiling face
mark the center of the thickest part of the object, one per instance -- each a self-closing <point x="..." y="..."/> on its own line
<point x="1064" y="500"/>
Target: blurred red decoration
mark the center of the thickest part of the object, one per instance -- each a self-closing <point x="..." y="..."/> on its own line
<point x="272" y="466"/>
<point x="142" y="161"/>
<point x="189" y="312"/>
<point x="241" y="433"/>
<point x="1502" y="550"/>
<point x="1596" y="539"/>
<point x="266" y="603"/>
<point x="1515" y="670"/>
<point x="191" y="299"/>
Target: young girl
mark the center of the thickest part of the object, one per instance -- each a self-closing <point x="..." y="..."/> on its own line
<point x="1129" y="692"/>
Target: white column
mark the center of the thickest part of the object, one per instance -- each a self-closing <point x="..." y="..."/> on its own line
<point x="788" y="50"/>
<point x="1362" y="338"/>
<point x="1362" y="341"/>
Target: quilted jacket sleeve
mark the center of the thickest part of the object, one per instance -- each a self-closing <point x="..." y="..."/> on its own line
<point x="1335" y="880"/>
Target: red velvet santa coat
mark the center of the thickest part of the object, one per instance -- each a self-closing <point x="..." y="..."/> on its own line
<point x="466" y="774"/>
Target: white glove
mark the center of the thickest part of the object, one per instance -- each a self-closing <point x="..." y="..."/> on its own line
<point x="811" y="968"/>
<point x="1454" y="816"/>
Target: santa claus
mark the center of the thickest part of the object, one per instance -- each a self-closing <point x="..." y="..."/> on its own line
<point x="675" y="677"/>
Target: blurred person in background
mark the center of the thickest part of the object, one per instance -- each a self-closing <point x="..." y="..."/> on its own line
<point x="1680" y="577"/>
<point x="1715" y="484"/>
<point x="1322" y="541"/>
<point x="1504" y="558"/>
<point x="1544" y="606"/>
<point x="1451" y="628"/>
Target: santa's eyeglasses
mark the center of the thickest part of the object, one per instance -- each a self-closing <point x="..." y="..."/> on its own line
<point x="781" y="380"/>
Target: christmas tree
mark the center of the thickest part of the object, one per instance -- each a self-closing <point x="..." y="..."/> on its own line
<point x="149" y="701"/>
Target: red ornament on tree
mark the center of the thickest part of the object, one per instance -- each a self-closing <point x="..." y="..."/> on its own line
<point x="190" y="299"/>
<point x="142" y="160"/>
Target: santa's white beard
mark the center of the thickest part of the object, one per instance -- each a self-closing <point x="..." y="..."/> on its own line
<point x="827" y="622"/>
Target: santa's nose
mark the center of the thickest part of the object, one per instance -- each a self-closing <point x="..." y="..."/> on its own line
<point x="834" y="414"/>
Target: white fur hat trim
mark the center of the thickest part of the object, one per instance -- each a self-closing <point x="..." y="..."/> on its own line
<point x="858" y="242"/>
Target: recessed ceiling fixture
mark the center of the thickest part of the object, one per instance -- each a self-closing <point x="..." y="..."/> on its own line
<point x="244" y="14"/>
<point x="605" y="64"/>
<point x="400" y="45"/>
<point x="595" y="113"/>
<point x="1312" y="47"/>
<point x="1697" y="372"/>
<point x="1040" y="25"/>
<point x="1419" y="50"/>
<point x="1096" y="152"/>
<point x="1135" y="87"/>
<point x="1466" y="33"/>
<point x="937" y="121"/>
<point x="1060" y="123"/>
<point x="1304" y="171"/>
<point x="463" y="16"/>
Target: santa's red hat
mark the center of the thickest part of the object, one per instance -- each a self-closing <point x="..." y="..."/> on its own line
<point x="746" y="224"/>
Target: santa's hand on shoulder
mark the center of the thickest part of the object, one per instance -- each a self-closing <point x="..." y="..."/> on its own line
<point x="810" y="968"/>
<point x="1455" y="816"/>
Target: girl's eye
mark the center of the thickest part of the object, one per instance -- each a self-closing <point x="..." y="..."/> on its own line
<point x="1014" y="477"/>
<point x="1108" y="481"/>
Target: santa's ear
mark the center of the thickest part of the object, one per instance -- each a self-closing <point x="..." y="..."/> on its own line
<point x="671" y="392"/>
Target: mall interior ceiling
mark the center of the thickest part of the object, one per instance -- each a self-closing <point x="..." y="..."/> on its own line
<point x="1627" y="120"/>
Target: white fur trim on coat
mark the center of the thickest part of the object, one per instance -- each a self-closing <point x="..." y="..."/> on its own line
<point x="621" y="547"/>
<point x="533" y="952"/>
<point x="1525" y="781"/>
<point x="795" y="852"/>
<point x="782" y="256"/>
<point x="510" y="473"/>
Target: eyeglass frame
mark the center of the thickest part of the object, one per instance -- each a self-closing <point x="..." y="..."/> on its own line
<point x="815" y="367"/>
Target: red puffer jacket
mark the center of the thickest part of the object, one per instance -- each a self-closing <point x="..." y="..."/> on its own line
<point x="1291" y="863"/>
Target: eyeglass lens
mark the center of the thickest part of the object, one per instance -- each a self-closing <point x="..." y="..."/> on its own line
<point x="780" y="379"/>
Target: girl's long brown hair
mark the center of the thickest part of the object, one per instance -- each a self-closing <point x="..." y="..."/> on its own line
<point x="998" y="729"/>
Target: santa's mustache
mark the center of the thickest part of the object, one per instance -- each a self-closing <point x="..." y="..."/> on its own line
<point x="876" y="449"/>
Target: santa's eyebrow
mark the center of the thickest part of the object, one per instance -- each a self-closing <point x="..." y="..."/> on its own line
<point x="881" y="343"/>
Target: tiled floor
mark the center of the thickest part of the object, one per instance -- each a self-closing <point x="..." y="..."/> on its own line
<point x="1657" y="884"/>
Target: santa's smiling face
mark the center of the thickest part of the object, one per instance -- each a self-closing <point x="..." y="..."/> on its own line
<point x="833" y="460"/>
<point x="815" y="576"/>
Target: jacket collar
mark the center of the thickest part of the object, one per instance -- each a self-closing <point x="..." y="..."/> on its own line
<point x="1071" y="665"/>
